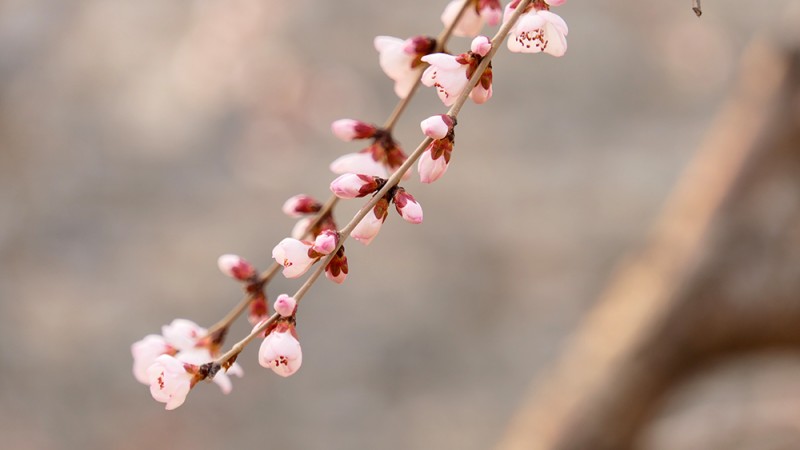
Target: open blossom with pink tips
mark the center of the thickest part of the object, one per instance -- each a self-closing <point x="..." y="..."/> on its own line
<point x="199" y="356"/>
<point x="170" y="380"/>
<point x="473" y="19"/>
<point x="183" y="334"/>
<point x="294" y="256"/>
<point x="450" y="74"/>
<point x="400" y="59"/>
<point x="280" y="350"/>
<point x="145" y="353"/>
<point x="538" y="30"/>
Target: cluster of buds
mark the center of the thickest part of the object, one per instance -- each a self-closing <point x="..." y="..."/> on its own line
<point x="173" y="362"/>
<point x="297" y="255"/>
<point x="351" y="185"/>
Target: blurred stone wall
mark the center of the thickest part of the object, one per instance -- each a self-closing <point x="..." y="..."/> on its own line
<point x="140" y="140"/>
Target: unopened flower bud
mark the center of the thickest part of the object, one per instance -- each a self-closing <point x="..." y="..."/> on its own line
<point x="337" y="269"/>
<point x="300" y="205"/>
<point x="407" y="206"/>
<point x="370" y="225"/>
<point x="351" y="185"/>
<point x="326" y="242"/>
<point x="437" y="127"/>
<point x="349" y="129"/>
<point x="236" y="267"/>
<point x="481" y="45"/>
<point x="285" y="305"/>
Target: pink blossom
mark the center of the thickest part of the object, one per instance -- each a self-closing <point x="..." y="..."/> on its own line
<point x="236" y="267"/>
<point x="170" y="380"/>
<point x="407" y="206"/>
<point x="300" y="205"/>
<point x="145" y="353"/>
<point x="285" y="305"/>
<point x="293" y="255"/>
<point x="200" y="356"/>
<point x="400" y="59"/>
<point x="438" y="126"/>
<point x="183" y="334"/>
<point x="447" y="74"/>
<point x="555" y="2"/>
<point x="481" y="45"/>
<point x="473" y="18"/>
<point x="370" y="225"/>
<point x="326" y="242"/>
<point x="537" y="30"/>
<point x="349" y="129"/>
<point x="280" y="351"/>
<point x="351" y="185"/>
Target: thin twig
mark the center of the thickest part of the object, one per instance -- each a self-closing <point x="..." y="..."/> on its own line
<point x="696" y="8"/>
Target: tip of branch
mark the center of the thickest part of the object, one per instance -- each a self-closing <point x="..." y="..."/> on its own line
<point x="698" y="12"/>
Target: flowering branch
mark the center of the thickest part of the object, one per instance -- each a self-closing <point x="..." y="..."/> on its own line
<point x="172" y="363"/>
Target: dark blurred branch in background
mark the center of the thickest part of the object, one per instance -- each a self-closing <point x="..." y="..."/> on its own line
<point x="718" y="278"/>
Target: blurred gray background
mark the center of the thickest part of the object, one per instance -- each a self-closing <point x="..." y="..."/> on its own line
<point x="139" y="140"/>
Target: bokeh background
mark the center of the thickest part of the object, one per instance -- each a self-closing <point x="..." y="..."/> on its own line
<point x="139" y="140"/>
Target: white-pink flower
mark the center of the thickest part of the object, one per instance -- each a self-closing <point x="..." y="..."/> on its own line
<point x="170" y="380"/>
<point x="407" y="206"/>
<point x="236" y="267"/>
<point x="370" y="225"/>
<point x="350" y="129"/>
<point x="537" y="31"/>
<point x="300" y="228"/>
<point x="292" y="254"/>
<point x="472" y="20"/>
<point x="281" y="352"/>
<point x="299" y="205"/>
<point x="433" y="162"/>
<point x="326" y="242"/>
<point x="200" y="356"/>
<point x="448" y="74"/>
<point x="183" y="334"/>
<point x="399" y="59"/>
<point x="285" y="305"/>
<point x="351" y="185"/>
<point x="145" y="353"/>
<point x="361" y="162"/>
<point x="438" y="126"/>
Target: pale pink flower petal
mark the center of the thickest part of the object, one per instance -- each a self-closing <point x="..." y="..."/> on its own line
<point x="169" y="380"/>
<point x="396" y="63"/>
<point x="469" y="25"/>
<point x="555" y="2"/>
<point x="145" y="353"/>
<point x="431" y="169"/>
<point x="491" y="12"/>
<point x="281" y="352"/>
<point x="351" y="185"/>
<point x="200" y="356"/>
<point x="349" y="129"/>
<point x="368" y="228"/>
<point x="447" y="75"/>
<point x="292" y="254"/>
<point x="236" y="267"/>
<point x="183" y="334"/>
<point x="437" y="127"/>
<point x="285" y="305"/>
<point x="480" y="95"/>
<point x="361" y="162"/>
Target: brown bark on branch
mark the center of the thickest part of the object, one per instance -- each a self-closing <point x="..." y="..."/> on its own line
<point x="720" y="274"/>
